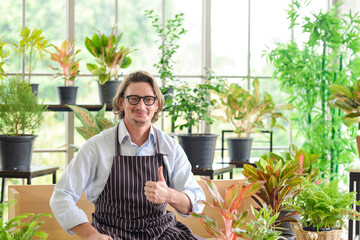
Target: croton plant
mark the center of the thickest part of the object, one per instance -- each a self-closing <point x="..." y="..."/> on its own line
<point x="234" y="221"/>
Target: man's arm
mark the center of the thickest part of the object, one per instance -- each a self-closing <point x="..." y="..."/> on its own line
<point x="158" y="193"/>
<point x="88" y="232"/>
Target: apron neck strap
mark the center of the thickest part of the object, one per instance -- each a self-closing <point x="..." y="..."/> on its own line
<point x="117" y="143"/>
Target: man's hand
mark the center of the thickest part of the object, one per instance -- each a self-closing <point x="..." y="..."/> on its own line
<point x="99" y="237"/>
<point x="157" y="192"/>
<point x="88" y="232"/>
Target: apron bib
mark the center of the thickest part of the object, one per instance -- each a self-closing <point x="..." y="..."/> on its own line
<point x="122" y="210"/>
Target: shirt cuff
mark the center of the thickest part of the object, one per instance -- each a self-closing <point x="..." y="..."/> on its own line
<point x="72" y="218"/>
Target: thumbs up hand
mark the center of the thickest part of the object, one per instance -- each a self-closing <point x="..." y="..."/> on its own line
<point x="157" y="192"/>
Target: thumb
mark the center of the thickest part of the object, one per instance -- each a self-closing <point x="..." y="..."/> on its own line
<point x="160" y="174"/>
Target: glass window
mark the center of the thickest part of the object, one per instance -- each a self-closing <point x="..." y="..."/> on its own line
<point x="10" y="24"/>
<point x="50" y="18"/>
<point x="189" y="55"/>
<point x="229" y="37"/>
<point x="271" y="29"/>
<point x="139" y="33"/>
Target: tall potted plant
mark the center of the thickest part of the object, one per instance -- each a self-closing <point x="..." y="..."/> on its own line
<point x="110" y="57"/>
<point x="69" y="70"/>
<point x="20" y="116"/>
<point x="191" y="106"/>
<point x="31" y="47"/>
<point x="248" y="113"/>
<point x="169" y="34"/>
<point x="307" y="70"/>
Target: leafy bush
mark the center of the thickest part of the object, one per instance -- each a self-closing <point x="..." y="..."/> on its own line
<point x="324" y="205"/>
<point x="20" y="112"/>
<point x="22" y="227"/>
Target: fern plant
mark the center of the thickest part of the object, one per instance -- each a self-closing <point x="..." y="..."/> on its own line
<point x="22" y="227"/>
<point x="324" y="205"/>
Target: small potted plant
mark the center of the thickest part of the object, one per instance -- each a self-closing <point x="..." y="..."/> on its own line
<point x="32" y="47"/>
<point x="110" y="58"/>
<point x="248" y="113"/>
<point x="263" y="227"/>
<point x="324" y="209"/>
<point x="190" y="107"/>
<point x="91" y="124"/>
<point x="69" y="70"/>
<point x="20" y="116"/>
<point x="234" y="221"/>
<point x="282" y="176"/>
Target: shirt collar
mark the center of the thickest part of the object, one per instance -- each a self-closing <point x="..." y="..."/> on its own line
<point x="124" y="134"/>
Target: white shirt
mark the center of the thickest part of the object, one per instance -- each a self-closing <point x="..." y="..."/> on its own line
<point x="91" y="166"/>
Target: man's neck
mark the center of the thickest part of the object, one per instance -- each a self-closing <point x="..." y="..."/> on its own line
<point x="138" y="134"/>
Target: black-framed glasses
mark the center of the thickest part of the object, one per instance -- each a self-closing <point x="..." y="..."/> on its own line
<point x="135" y="99"/>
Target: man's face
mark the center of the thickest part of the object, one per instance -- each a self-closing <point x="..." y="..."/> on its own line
<point x="139" y="114"/>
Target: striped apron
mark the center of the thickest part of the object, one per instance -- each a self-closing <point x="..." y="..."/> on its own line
<point x="122" y="210"/>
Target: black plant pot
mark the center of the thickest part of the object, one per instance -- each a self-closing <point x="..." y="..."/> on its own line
<point x="199" y="149"/>
<point x="285" y="227"/>
<point x="35" y="88"/>
<point x="239" y="149"/>
<point x="108" y="91"/>
<point x="67" y="95"/>
<point x="16" y="152"/>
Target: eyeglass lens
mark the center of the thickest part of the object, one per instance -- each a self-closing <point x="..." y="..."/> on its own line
<point x="134" y="99"/>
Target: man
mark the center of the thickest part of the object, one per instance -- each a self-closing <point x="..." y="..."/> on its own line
<point x="130" y="172"/>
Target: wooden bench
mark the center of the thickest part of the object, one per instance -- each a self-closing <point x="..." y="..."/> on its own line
<point x="35" y="199"/>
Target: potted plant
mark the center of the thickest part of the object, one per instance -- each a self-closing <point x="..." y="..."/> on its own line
<point x="306" y="71"/>
<point x="91" y="125"/>
<point x="110" y="58"/>
<point x="3" y="55"/>
<point x="69" y="70"/>
<point x="248" y="113"/>
<point x="31" y="47"/>
<point x="282" y="176"/>
<point x="263" y="227"/>
<point x="24" y="227"/>
<point x="324" y="209"/>
<point x="191" y="106"/>
<point x="234" y="221"/>
<point x="168" y="35"/>
<point x="20" y="115"/>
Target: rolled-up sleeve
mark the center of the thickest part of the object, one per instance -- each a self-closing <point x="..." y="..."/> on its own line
<point x="183" y="180"/>
<point x="69" y="188"/>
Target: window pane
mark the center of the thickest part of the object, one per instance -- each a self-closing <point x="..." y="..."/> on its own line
<point x="229" y="35"/>
<point x="189" y="55"/>
<point x="10" y="24"/>
<point x="49" y="16"/>
<point x="88" y="20"/>
<point x="139" y="33"/>
<point x="268" y="25"/>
